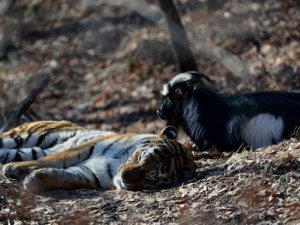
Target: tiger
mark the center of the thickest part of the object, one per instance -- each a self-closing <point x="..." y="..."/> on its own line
<point x="64" y="155"/>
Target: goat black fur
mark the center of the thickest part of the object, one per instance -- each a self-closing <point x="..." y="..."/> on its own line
<point x="228" y="122"/>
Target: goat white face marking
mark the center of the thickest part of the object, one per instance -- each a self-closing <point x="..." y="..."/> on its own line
<point x="165" y="90"/>
<point x="182" y="77"/>
<point x="262" y="130"/>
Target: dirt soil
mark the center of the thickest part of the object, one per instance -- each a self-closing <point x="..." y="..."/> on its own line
<point x="104" y="76"/>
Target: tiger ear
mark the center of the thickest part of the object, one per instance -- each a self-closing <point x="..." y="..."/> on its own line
<point x="169" y="132"/>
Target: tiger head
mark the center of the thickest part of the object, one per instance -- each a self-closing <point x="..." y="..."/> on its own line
<point x="162" y="162"/>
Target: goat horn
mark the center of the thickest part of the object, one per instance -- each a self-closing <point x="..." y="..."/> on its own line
<point x="197" y="75"/>
<point x="190" y="75"/>
<point x="181" y="78"/>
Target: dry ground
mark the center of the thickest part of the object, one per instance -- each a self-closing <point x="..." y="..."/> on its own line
<point x="243" y="188"/>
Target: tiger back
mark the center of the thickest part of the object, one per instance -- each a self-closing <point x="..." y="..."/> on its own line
<point x="34" y="140"/>
<point x="61" y="154"/>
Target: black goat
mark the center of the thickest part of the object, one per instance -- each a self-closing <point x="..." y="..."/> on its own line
<point x="228" y="122"/>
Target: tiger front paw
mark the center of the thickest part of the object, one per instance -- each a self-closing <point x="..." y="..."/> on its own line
<point x="17" y="170"/>
<point x="35" y="180"/>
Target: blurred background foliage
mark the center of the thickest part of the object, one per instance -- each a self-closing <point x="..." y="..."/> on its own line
<point x="108" y="60"/>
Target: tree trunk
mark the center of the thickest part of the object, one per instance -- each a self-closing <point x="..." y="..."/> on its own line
<point x="184" y="55"/>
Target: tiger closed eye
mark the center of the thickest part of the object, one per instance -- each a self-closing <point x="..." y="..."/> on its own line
<point x="140" y="157"/>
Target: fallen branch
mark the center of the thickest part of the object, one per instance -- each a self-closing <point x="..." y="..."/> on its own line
<point x="41" y="82"/>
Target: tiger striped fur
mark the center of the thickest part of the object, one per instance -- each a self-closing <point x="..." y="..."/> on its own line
<point x="64" y="155"/>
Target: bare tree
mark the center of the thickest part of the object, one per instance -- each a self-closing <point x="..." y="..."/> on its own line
<point x="184" y="55"/>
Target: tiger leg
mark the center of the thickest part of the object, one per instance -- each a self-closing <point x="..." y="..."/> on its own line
<point x="53" y="178"/>
<point x="63" y="159"/>
<point x="58" y="160"/>
<point x="96" y="172"/>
